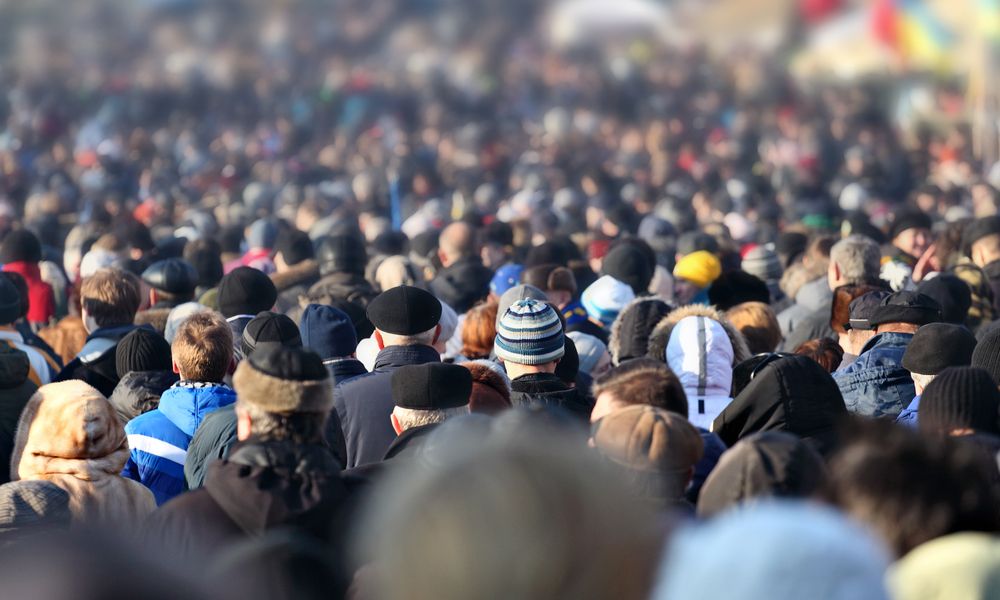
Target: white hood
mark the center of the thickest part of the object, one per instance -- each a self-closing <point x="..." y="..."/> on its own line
<point x="701" y="354"/>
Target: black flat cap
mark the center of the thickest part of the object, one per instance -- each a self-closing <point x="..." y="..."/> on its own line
<point x="937" y="346"/>
<point x="270" y="328"/>
<point x="173" y="276"/>
<point x="246" y="291"/>
<point x="404" y="310"/>
<point x="907" y="307"/>
<point x="863" y="308"/>
<point x="953" y="294"/>
<point x="431" y="386"/>
<point x="977" y="230"/>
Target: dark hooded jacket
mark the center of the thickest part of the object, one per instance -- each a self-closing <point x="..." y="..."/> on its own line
<point x="294" y="282"/>
<point x="343" y="285"/>
<point x="261" y="486"/>
<point x="462" y="284"/>
<point x="766" y="464"/>
<point x="792" y="394"/>
<point x="95" y="364"/>
<point x="139" y="392"/>
<point x="546" y="389"/>
<point x="15" y="391"/>
<point x="630" y="331"/>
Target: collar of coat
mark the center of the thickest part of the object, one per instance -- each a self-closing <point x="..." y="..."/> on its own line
<point x="398" y="356"/>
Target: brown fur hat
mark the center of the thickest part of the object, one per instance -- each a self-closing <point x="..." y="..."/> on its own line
<point x="660" y="336"/>
<point x="284" y="380"/>
<point x="490" y="388"/>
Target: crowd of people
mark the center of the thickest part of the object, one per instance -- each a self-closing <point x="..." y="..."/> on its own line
<point x="391" y="300"/>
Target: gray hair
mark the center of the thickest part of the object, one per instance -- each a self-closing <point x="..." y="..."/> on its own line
<point x="426" y="338"/>
<point x="297" y="427"/>
<point x="859" y="259"/>
<point x="409" y="418"/>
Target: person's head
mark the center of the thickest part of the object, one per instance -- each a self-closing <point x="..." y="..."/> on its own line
<point x="291" y="248"/>
<point x="640" y="381"/>
<point x="13" y="299"/>
<point x="109" y="298"/>
<point x="328" y="331"/>
<point x="490" y="387"/>
<point x="530" y="338"/>
<point x="261" y="234"/>
<point x="269" y="328"/>
<point x="457" y="241"/>
<point x="496" y="241"/>
<point x="911" y="232"/>
<point x="960" y="401"/>
<point x="904" y="312"/>
<point x="405" y="316"/>
<point x="605" y="298"/>
<point x="593" y="354"/>
<point x="654" y="448"/>
<point x="20" y="245"/>
<point x="558" y="283"/>
<point x="911" y="488"/>
<point x="479" y="331"/>
<point x="245" y="291"/>
<point x="282" y="394"/>
<point x="344" y="253"/>
<point x="981" y="240"/>
<point x="693" y="273"/>
<point x="986" y="356"/>
<point x="825" y="351"/>
<point x="961" y="565"/>
<point x="142" y="350"/>
<point x="429" y="394"/>
<point x="758" y="324"/>
<point x="629" y="263"/>
<point x="206" y="257"/>
<point x="934" y="348"/>
<point x="733" y="288"/>
<point x="952" y="293"/>
<point x="171" y="281"/>
<point x="854" y="260"/>
<point x="203" y="348"/>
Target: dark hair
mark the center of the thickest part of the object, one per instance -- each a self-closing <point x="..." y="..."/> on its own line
<point x="644" y="381"/>
<point x="22" y="290"/>
<point x="912" y="488"/>
<point x="825" y="351"/>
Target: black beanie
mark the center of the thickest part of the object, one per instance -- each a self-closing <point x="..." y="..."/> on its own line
<point x="270" y="328"/>
<point x="937" y="346"/>
<point x="294" y="246"/>
<point x="628" y="264"/>
<point x="20" y="245"/>
<point x="960" y="398"/>
<point x="246" y="291"/>
<point x="986" y="356"/>
<point x="736" y="287"/>
<point x="953" y="294"/>
<point x="142" y="350"/>
<point x="342" y="253"/>
<point x="908" y="218"/>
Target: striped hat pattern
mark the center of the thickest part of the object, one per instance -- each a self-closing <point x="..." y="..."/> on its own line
<point x="530" y="333"/>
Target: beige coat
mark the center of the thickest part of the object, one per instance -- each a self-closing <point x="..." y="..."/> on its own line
<point x="70" y="435"/>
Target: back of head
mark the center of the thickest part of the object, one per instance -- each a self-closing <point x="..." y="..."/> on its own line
<point x="530" y="333"/>
<point x="643" y="381"/>
<point x="203" y="347"/>
<point x="937" y="346"/>
<point x="246" y="291"/>
<point x="701" y="353"/>
<point x="142" y="350"/>
<point x="11" y="301"/>
<point x="858" y="258"/>
<point x="328" y="331"/>
<point x="457" y="240"/>
<point x="110" y="297"/>
<point x="961" y="565"/>
<point x="962" y="399"/>
<point x="206" y="257"/>
<point x="294" y="246"/>
<point x="629" y="264"/>
<point x="840" y="311"/>
<point x="826" y="352"/>
<point x="758" y="324"/>
<point x="479" y="330"/>
<point x="764" y="465"/>
<point x="30" y="508"/>
<point x="342" y="254"/>
<point x="733" y="288"/>
<point x="953" y="294"/>
<point x="20" y="245"/>
<point x="986" y="356"/>
<point x="269" y="328"/>
<point x="630" y="331"/>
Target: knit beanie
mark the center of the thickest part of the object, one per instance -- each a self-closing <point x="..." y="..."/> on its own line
<point x="763" y="263"/>
<point x="605" y="298"/>
<point x="699" y="268"/>
<point x="960" y="398"/>
<point x="142" y="350"/>
<point x="246" y="291"/>
<point x="20" y="245"/>
<point x="986" y="356"/>
<point x="328" y="331"/>
<point x="530" y="333"/>
<point x="279" y="379"/>
<point x="628" y="264"/>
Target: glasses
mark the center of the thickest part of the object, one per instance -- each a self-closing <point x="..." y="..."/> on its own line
<point x="766" y="359"/>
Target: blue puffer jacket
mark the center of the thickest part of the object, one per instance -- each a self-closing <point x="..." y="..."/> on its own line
<point x="159" y="439"/>
<point x="876" y="384"/>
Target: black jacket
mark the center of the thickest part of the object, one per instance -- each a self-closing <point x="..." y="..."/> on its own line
<point x="95" y="364"/>
<point x="260" y="487"/>
<point x="546" y="389"/>
<point x="15" y="391"/>
<point x="792" y="394"/>
<point x="462" y="284"/>
<point x="365" y="403"/>
<point x="139" y="392"/>
<point x="293" y="283"/>
<point x="344" y="286"/>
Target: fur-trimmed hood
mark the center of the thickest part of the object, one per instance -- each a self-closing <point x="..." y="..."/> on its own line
<point x="304" y="273"/>
<point x="660" y="336"/>
<point x="631" y="330"/>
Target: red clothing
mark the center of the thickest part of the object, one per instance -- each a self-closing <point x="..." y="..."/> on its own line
<point x="42" y="303"/>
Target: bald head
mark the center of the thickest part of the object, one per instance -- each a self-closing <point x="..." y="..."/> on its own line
<point x="456" y="242"/>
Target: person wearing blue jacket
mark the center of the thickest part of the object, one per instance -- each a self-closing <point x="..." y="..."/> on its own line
<point x="202" y="354"/>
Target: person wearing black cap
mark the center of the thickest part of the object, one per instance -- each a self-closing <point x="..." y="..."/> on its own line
<point x="406" y="321"/>
<point x="980" y="268"/>
<point x="464" y="280"/>
<point x="171" y="282"/>
<point x="280" y="474"/>
<point x="426" y="396"/>
<point x="877" y="384"/>
<point x="934" y="348"/>
<point x="628" y="263"/>
<point x="342" y="259"/>
<point x="269" y="328"/>
<point x="909" y="238"/>
<point x="859" y="329"/>
<point x="297" y="269"/>
<point x="243" y="293"/>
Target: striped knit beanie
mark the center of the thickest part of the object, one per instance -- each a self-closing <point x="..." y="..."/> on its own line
<point x="605" y="298"/>
<point x="530" y="333"/>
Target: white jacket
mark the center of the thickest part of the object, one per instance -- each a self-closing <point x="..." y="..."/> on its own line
<point x="701" y="354"/>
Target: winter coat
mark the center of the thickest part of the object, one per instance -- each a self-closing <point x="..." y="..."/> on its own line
<point x="910" y="415"/>
<point x="546" y="389"/>
<point x="259" y="487"/>
<point x="159" y="439"/>
<point x="791" y="394"/>
<point x="15" y="390"/>
<point x="814" y="326"/>
<point x="66" y="337"/>
<point x="344" y="286"/>
<point x="462" y="284"/>
<point x="344" y="369"/>
<point x="294" y="282"/>
<point x="630" y="331"/>
<point x="714" y="449"/>
<point x="216" y="436"/>
<point x="139" y="392"/>
<point x="810" y="298"/>
<point x="876" y="384"/>
<point x="660" y="336"/>
<point x="365" y="403"/>
<point x="69" y="434"/>
<point x="41" y="300"/>
<point x="41" y="369"/>
<point x="95" y="364"/>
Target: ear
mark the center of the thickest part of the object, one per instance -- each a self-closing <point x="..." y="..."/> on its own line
<point x="152" y="296"/>
<point x="442" y="257"/>
<point x="395" y="424"/>
<point x="836" y="270"/>
<point x="176" y="368"/>
<point x="244" y="425"/>
<point x="437" y="334"/>
<point x="378" y="340"/>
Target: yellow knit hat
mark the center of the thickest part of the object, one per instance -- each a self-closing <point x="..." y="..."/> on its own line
<point x="700" y="268"/>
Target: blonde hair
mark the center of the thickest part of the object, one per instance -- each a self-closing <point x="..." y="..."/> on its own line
<point x="111" y="297"/>
<point x="203" y="347"/>
<point x="409" y="418"/>
<point x="758" y="324"/>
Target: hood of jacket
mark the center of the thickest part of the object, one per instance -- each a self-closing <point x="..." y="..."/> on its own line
<point x="14" y="367"/>
<point x="630" y="332"/>
<point x="660" y="336"/>
<point x="792" y="394"/>
<point x="303" y="273"/>
<point x="186" y="403"/>
<point x="262" y="485"/>
<point x="139" y="392"/>
<point x="105" y="340"/>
